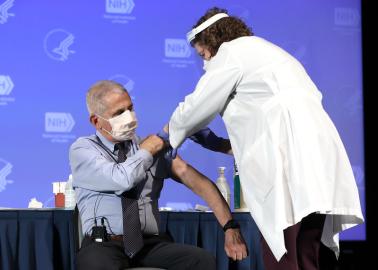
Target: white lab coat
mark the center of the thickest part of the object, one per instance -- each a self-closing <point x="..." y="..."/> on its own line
<point x="290" y="157"/>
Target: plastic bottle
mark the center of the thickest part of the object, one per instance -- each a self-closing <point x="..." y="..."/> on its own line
<point x="223" y="186"/>
<point x="69" y="194"/>
<point x="58" y="189"/>
<point x="237" y="190"/>
<point x="239" y="203"/>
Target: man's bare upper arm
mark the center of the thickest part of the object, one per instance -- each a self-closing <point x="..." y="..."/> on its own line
<point x="184" y="173"/>
<point x="179" y="167"/>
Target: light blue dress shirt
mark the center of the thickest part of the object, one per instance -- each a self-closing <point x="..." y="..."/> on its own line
<point x="98" y="181"/>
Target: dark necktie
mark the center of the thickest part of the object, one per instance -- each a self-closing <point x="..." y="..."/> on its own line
<point x="132" y="234"/>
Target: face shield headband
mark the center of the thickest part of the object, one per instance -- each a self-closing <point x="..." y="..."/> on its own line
<point x="192" y="34"/>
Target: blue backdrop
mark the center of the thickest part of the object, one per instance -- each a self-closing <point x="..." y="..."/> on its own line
<point x="52" y="51"/>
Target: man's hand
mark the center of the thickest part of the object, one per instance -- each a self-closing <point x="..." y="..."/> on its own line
<point x="182" y="172"/>
<point x="152" y="144"/>
<point x="234" y="245"/>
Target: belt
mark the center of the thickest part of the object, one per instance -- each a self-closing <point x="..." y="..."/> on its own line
<point x="116" y="237"/>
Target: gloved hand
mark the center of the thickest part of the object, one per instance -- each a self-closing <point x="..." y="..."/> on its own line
<point x="171" y="152"/>
<point x="163" y="135"/>
<point x="207" y="139"/>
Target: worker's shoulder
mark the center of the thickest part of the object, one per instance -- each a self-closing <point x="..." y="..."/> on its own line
<point x="244" y="42"/>
<point x="239" y="46"/>
<point x="238" y="41"/>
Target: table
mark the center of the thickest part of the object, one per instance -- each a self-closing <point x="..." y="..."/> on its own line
<point x="37" y="239"/>
<point x="48" y="239"/>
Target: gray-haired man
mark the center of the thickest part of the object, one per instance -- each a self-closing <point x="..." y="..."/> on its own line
<point x="106" y="184"/>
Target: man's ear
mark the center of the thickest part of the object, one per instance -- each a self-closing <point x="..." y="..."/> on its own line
<point x="94" y="120"/>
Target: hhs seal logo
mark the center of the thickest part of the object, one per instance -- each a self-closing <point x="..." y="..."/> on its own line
<point x="5" y="170"/>
<point x="58" y="122"/>
<point x="177" y="48"/>
<point x="126" y="82"/>
<point x="119" y="6"/>
<point x="57" y="44"/>
<point x="4" y="7"/>
<point x="6" y="85"/>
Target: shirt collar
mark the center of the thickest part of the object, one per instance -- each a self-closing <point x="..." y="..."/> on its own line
<point x="110" y="145"/>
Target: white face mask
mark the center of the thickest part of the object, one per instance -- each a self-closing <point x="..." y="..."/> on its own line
<point x="123" y="126"/>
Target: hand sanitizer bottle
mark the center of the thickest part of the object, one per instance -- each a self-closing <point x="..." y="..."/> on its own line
<point x="69" y="194"/>
<point x="237" y="190"/>
<point x="223" y="186"/>
<point x="239" y="203"/>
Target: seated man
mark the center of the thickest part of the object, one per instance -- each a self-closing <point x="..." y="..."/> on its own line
<point x="118" y="179"/>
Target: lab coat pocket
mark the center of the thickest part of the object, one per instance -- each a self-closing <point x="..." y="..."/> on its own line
<point x="258" y="168"/>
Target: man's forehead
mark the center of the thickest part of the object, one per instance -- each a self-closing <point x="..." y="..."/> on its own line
<point x="115" y="97"/>
<point x="117" y="100"/>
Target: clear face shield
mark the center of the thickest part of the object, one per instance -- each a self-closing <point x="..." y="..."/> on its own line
<point x="192" y="34"/>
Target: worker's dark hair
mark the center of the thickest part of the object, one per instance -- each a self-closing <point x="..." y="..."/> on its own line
<point x="225" y="29"/>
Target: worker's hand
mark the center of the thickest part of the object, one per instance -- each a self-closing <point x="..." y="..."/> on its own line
<point x="164" y="136"/>
<point x="166" y="128"/>
<point x="207" y="139"/>
<point x="152" y="144"/>
<point x="234" y="245"/>
<point x="171" y="152"/>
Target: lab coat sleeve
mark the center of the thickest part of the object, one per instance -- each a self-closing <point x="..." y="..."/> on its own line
<point x="208" y="99"/>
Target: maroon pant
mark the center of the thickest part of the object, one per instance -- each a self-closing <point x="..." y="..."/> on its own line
<point x="302" y="242"/>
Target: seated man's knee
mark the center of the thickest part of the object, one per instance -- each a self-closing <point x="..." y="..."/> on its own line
<point x="207" y="260"/>
<point x="99" y="256"/>
<point x="203" y="259"/>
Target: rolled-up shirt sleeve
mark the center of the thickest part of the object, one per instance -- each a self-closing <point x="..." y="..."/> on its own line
<point x="92" y="170"/>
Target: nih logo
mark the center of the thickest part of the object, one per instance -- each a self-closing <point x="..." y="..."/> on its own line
<point x="347" y="17"/>
<point x="6" y="85"/>
<point x="177" y="48"/>
<point x="58" y="122"/>
<point x="119" y="6"/>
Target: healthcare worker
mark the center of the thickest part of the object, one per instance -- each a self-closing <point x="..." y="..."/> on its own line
<point x="296" y="177"/>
